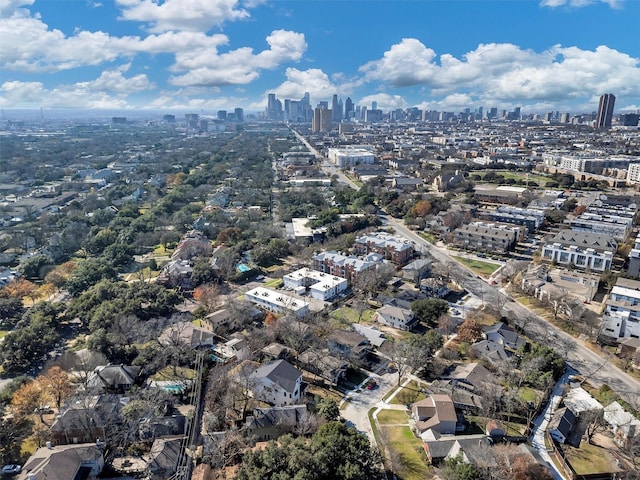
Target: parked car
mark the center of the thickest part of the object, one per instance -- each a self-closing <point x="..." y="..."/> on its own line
<point x="372" y="385"/>
<point x="11" y="469"/>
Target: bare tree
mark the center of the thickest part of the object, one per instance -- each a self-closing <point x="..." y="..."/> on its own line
<point x="595" y="422"/>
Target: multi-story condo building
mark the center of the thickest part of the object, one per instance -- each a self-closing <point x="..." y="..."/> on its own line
<point x="321" y="286"/>
<point x="529" y="218"/>
<point x="633" y="173"/>
<point x="621" y="316"/>
<point x="581" y="249"/>
<point x="634" y="260"/>
<point x="484" y="238"/>
<point x="277" y="302"/>
<point x="332" y="263"/>
<point x="613" y="225"/>
<point x="397" y="249"/>
<point x="346" y="157"/>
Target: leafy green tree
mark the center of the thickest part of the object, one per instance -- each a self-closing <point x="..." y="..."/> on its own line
<point x="335" y="452"/>
<point x="35" y="267"/>
<point x="11" y="310"/>
<point x="457" y="469"/>
<point x="89" y="272"/>
<point x="328" y="409"/>
<point x="429" y="310"/>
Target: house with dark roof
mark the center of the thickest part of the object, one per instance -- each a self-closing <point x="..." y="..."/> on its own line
<point x="323" y="364"/>
<point x="277" y="383"/>
<point x="504" y="335"/>
<point x="64" y="462"/>
<point x="270" y="423"/>
<point x="349" y="346"/>
<point x="86" y="420"/>
<point x="186" y="333"/>
<point x="114" y="378"/>
<point x="470" y="376"/>
<point x="163" y="458"/>
<point x="440" y="447"/>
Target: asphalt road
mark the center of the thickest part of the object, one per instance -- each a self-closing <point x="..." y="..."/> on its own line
<point x="594" y="367"/>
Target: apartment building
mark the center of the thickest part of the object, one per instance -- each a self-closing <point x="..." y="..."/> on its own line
<point x="347" y="267"/>
<point x="394" y="248"/>
<point x="621" y="316"/>
<point x="581" y="249"/>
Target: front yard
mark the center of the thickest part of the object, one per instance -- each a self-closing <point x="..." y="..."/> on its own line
<point x="478" y="266"/>
<point x="406" y="453"/>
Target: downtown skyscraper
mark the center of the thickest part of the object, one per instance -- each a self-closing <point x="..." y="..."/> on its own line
<point x="605" y="110"/>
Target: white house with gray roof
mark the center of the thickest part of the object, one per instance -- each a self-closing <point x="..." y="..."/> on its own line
<point x="277" y="383"/>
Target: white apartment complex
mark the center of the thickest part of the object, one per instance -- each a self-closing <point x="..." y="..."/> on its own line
<point x="322" y="286"/>
<point x="581" y="249"/>
<point x="346" y="157"/>
<point x="277" y="302"/>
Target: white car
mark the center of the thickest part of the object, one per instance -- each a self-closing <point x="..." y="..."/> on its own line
<point x="7" y="469"/>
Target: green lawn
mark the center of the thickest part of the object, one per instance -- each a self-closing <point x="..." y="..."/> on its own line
<point x="480" y="267"/>
<point x="3" y="333"/>
<point x="529" y="394"/>
<point x="392" y="417"/>
<point x="350" y="315"/>
<point x="274" y="283"/>
<point x="411" y="393"/>
<point x="428" y="237"/>
<point x="406" y="448"/>
<point x="167" y="374"/>
<point x="590" y="459"/>
<point x="539" y="179"/>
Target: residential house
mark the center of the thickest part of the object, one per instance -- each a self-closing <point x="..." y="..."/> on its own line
<point x="504" y="335"/>
<point x="471" y="376"/>
<point x="396" y="317"/>
<point x="270" y="423"/>
<point x="493" y="352"/>
<point x="163" y="458"/>
<point x="435" y="412"/>
<point x="193" y="244"/>
<point x="236" y="348"/>
<point x="407" y="184"/>
<point x="152" y="428"/>
<point x="86" y="420"/>
<point x="624" y="425"/>
<point x="349" y="346"/>
<point x="568" y="424"/>
<point x="440" y="447"/>
<point x="277" y="383"/>
<point x="177" y="274"/>
<point x="64" y="462"/>
<point x="323" y="364"/>
<point x="114" y="378"/>
<point x="186" y="333"/>
<point x="582" y="250"/>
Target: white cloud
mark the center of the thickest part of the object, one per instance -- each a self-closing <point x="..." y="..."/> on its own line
<point x="44" y="50"/>
<point x="579" y="3"/>
<point x="205" y="66"/>
<point x="385" y="101"/>
<point x="9" y="7"/>
<point x="189" y="15"/>
<point x="506" y="73"/>
<point x="110" y="90"/>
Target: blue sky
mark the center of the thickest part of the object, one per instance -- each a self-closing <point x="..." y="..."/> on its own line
<point x="207" y="55"/>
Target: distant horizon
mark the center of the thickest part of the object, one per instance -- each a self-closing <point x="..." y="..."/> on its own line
<point x="192" y="55"/>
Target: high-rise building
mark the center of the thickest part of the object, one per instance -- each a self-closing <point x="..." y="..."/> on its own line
<point x="374" y="105"/>
<point x="629" y="119"/>
<point x="336" y="109"/>
<point x="222" y="114"/>
<point x="239" y="114"/>
<point x="605" y="110"/>
<point x="321" y="120"/>
<point x="274" y="108"/>
<point x="349" y="110"/>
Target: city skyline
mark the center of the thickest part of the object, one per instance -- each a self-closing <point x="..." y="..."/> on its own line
<point x="222" y="54"/>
